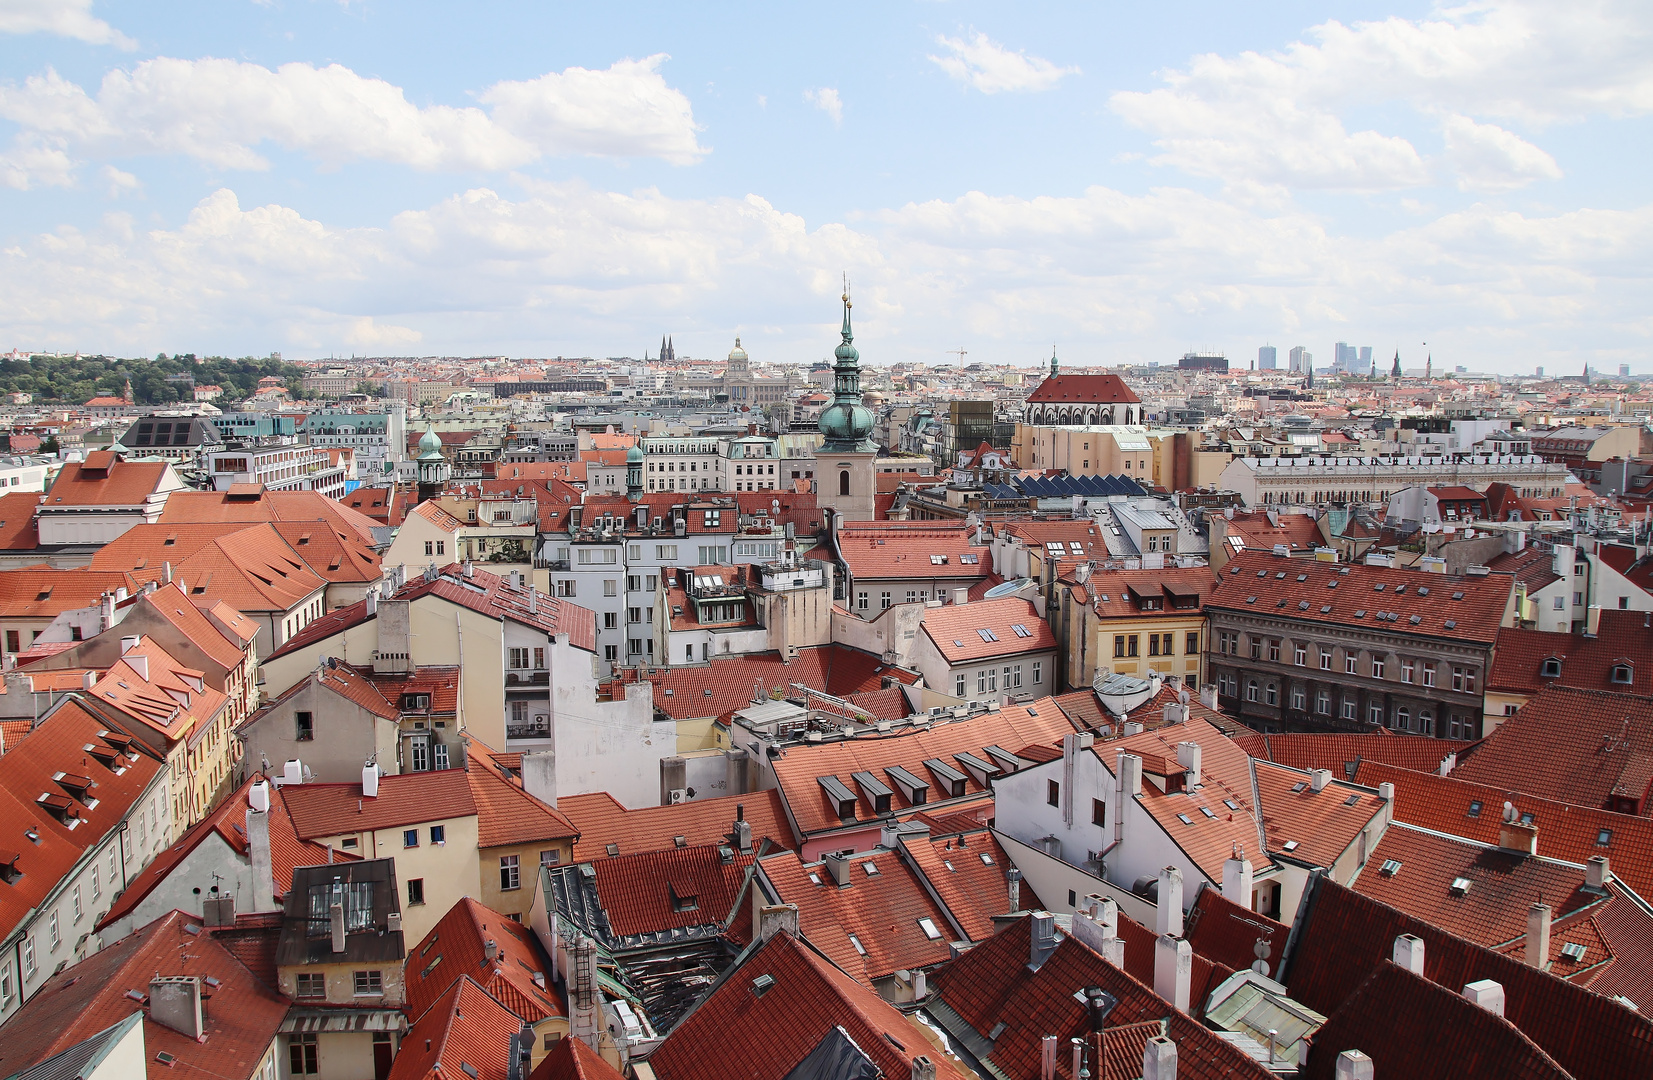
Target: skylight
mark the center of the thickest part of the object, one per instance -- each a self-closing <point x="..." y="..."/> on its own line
<point x="1290" y="845"/>
<point x="1604" y="837"/>
<point x="986" y="634"/>
<point x="929" y="927"/>
<point x="1475" y="808"/>
<point x="860" y="948"/>
<point x="1231" y="804"/>
<point x="986" y="859"/>
<point x="1390" y="867"/>
<point x="1021" y="631"/>
<point x="870" y="867"/>
<point x="1460" y="885"/>
<point x="1185" y="819"/>
<point x="1574" y="951"/>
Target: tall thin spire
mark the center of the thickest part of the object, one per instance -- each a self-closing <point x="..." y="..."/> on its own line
<point x="1053" y="361"/>
<point x="1394" y="372"/>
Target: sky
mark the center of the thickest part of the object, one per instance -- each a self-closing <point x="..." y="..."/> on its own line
<point x="1120" y="183"/>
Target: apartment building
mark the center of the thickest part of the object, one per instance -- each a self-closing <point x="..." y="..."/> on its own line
<point x="1139" y="623"/>
<point x="1318" y="480"/>
<point x="379" y="439"/>
<point x="94" y="501"/>
<point x="1304" y="645"/>
<point x="287" y="467"/>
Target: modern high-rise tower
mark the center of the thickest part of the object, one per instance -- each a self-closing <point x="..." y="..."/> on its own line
<point x="1266" y="358"/>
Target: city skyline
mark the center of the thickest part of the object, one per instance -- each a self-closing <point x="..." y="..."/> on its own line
<point x="319" y="179"/>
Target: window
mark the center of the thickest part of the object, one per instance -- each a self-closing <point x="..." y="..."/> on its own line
<point x="958" y="686"/>
<point x="439" y="834"/>
<point x="1119" y="644"/>
<point x="1053" y="792"/>
<point x="1374" y="712"/>
<point x="369" y="983"/>
<point x="1622" y="675"/>
<point x="441" y="547"/>
<point x="410" y="838"/>
<point x="550" y="857"/>
<point x="1192" y="646"/>
<point x="79" y="910"/>
<point x="1323" y="702"/>
<point x="430" y="547"/>
<point x="5" y="985"/>
<point x="1153" y="644"/>
<point x="1349" y="663"/>
<point x="1131" y="645"/>
<point x="304" y="726"/>
<point x="1099" y="812"/>
<point x="1251" y="690"/>
<point x="1429" y="674"/>
<point x="1560" y="603"/>
<point x="565" y="587"/>
<point x="312" y="984"/>
<point x="302" y="1058"/>
<point x="1256" y="648"/>
<point x="861" y="601"/>
<point x="611" y="620"/>
<point x="1299" y="698"/>
<point x="97" y="887"/>
<point x="1274" y="651"/>
<point x="1038" y="672"/>
<point x="1377" y="668"/>
<point x="843" y="482"/>
<point x="611" y="587"/>
<point x="518" y="658"/>
<point x="510" y="873"/>
<point x="929" y="928"/>
<point x="28" y="957"/>
<point x="1325" y="659"/>
<point x="884" y="599"/>
<point x="1300" y="655"/>
<point x="1407" y="668"/>
<point x="1270" y="694"/>
<point x="1348" y="708"/>
<point x="416" y="891"/>
<point x="57" y="932"/>
<point x="611" y="653"/>
<point x="1403" y="718"/>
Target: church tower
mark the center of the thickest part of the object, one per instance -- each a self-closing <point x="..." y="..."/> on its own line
<point x="1394" y="372"/>
<point x="432" y="466"/>
<point x="844" y="476"/>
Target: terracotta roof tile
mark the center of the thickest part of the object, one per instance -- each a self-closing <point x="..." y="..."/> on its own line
<point x="44" y="593"/>
<point x="464" y="1027"/>
<point x="955" y="630"/>
<point x="1342" y="753"/>
<point x="321" y="810"/>
<point x="1263" y="582"/>
<point x="1228" y="934"/>
<point x="120" y="483"/>
<point x="183" y="507"/>
<point x="602" y="821"/>
<point x="1083" y="389"/>
<point x="456" y="946"/>
<point x="805" y="1000"/>
<point x="726" y="683"/>
<point x="507" y="814"/>
<point x="655" y="891"/>
<point x="967" y="872"/>
<point x="18" y="531"/>
<point x="1322" y="824"/>
<point x="1587" y="747"/>
<point x="83" y="1000"/>
<point x="1585" y="662"/>
<point x="572" y="1059"/>
<point x="903" y="550"/>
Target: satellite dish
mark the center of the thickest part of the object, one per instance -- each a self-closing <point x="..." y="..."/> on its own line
<point x="1182" y="697"/>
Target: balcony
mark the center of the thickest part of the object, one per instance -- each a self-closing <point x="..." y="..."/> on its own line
<point x="527" y="678"/>
<point x="541" y="730"/>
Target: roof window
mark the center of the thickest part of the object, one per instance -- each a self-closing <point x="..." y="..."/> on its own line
<point x="1300" y="786"/>
<point x="1302" y="577"/>
<point x="1460" y="886"/>
<point x="986" y="634"/>
<point x="870" y="868"/>
<point x="1290" y="845"/>
<point x="1475" y="808"/>
<point x="1574" y="951"/>
<point x="1231" y="804"/>
<point x="1352" y="800"/>
<point x="986" y="859"/>
<point x="1206" y="810"/>
<point x="1551" y="668"/>
<point x="1021" y="631"/>
<point x="1360" y="613"/>
<point x="612" y="849"/>
<point x="1185" y="819"/>
<point x="928" y="925"/>
<point x="1423" y="590"/>
<point x="856" y="942"/>
<point x="1604" y="837"/>
<point x="1450" y="624"/>
<point x="1457" y="596"/>
<point x="1378" y="587"/>
<point x="1325" y="609"/>
<point x="1623" y="674"/>
<point x="814" y="878"/>
<point x="1390" y="867"/>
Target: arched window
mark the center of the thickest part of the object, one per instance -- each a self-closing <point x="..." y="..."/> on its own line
<point x="1251" y="690"/>
<point x="1403" y="718"/>
<point x="843" y="482"/>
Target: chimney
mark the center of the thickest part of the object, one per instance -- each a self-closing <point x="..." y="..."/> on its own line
<point x="370" y="781"/>
<point x="776" y="918"/>
<point x="166" y="573"/>
<point x="742" y="836"/>
<point x="1354" y="1065"/>
<point x="1129" y="770"/>
<point x="1013" y="881"/>
<point x="1488" y="994"/>
<point x="1168" y="919"/>
<point x="1237" y="879"/>
<point x="370" y="602"/>
<point x="1188" y="756"/>
<point x="1096" y="926"/>
<point x="1173" y="970"/>
<point x="129" y="642"/>
<point x="961" y="596"/>
<point x="1159" y="1059"/>
<point x="533" y="601"/>
<point x="258" y="796"/>
<point x="1133" y="727"/>
<point x="218" y="911"/>
<point x="1319" y="778"/>
<point x="175" y="1002"/>
<point x="1386" y="792"/>
<point x="1519" y="838"/>
<point x="1047" y="1057"/>
<point x="1208" y="696"/>
<point x="1538" y="936"/>
<point x="490" y="950"/>
<point x="1408" y="953"/>
<point x="1042" y="926"/>
<point x="838" y="867"/>
<point x="260" y="864"/>
<point x="923" y="1068"/>
<point x="335" y="921"/>
<point x="1592" y="620"/>
<point x="1596" y="874"/>
<point x="539" y="775"/>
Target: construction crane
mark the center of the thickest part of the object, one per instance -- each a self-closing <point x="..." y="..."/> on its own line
<point x="961" y="355"/>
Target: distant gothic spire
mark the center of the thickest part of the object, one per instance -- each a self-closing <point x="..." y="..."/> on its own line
<point x="1394" y="372"/>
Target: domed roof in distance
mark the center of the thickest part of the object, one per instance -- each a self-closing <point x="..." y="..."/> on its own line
<point x="430" y="443"/>
<point x="737" y="353"/>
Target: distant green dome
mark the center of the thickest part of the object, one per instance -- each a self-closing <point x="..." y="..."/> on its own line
<point x="846" y="423"/>
<point x="634" y="456"/>
<point x="430" y="444"/>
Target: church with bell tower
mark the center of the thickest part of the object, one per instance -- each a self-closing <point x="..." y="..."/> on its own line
<point x="844" y="477"/>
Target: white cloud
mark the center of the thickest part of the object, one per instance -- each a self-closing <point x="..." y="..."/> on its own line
<point x="1488" y="158"/>
<point x="119" y="182"/>
<point x="567" y="269"/>
<point x="220" y="111"/>
<point x="826" y="99"/>
<point x="1279" y="118"/>
<point x="65" y="18"/>
<point x="34" y="162"/>
<point x="990" y="67"/>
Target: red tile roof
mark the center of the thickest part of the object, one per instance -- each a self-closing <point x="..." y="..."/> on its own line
<point x="966" y="872"/>
<point x="807" y="998"/>
<point x="1410" y="1026"/>
<point x="726" y="683"/>
<point x="1586" y="662"/>
<point x="184" y="507"/>
<point x="1233" y="936"/>
<point x="1587" y="747"/>
<point x="655" y="891"/>
<point x="44" y="593"/>
<point x="13" y="732"/>
<point x="99" y="481"/>
<point x="241" y="1021"/>
<point x="602" y="821"/>
<point x="1171" y="593"/>
<point x="322" y="810"/>
<point x="1531" y="567"/>
<point x="456" y="946"/>
<point x="902" y="550"/>
<point x="1083" y="389"/>
<point x="506" y="813"/>
<point x="955" y="630"/>
<point x="1261" y="530"/>
<point x="1301" y="588"/>
<point x="571" y="1059"/>
<point x="1348" y="936"/>
<point x="1342" y="753"/>
<point x="464" y="1027"/>
<point x="798" y="770"/>
<point x="1323" y="824"/>
<point x="18" y="531"/>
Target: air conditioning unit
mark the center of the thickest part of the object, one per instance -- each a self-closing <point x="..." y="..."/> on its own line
<point x="677" y="795"/>
<point x="937" y="710"/>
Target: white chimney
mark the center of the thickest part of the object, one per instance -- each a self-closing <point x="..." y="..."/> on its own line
<point x="533" y="601"/>
<point x="259" y="862"/>
<point x="1386" y="792"/>
<point x="1173" y="970"/>
<point x="539" y="775"/>
<point x="1096" y="926"/>
<point x="1133" y="727"/>
<point x="1408" y="953"/>
<point x="1596" y="874"/>
<point x="1354" y="1065"/>
<point x="1237" y="879"/>
<point x="370" y="781"/>
<point x="175" y="1002"/>
<point x="130" y="642"/>
<point x="1047" y="1057"/>
<point x="961" y="596"/>
<point x="258" y="797"/>
<point x="1129" y="771"/>
<point x="1159" y="1059"/>
<point x="1208" y="696"/>
<point x="1188" y="756"/>
<point x="1319" y="778"/>
<point x="1592" y="620"/>
<point x="1538" y="936"/>
<point x="1488" y="994"/>
<point x="923" y="1068"/>
<point x="1168" y="917"/>
<point x="335" y="923"/>
<point x="490" y="950"/>
<point x="1013" y="885"/>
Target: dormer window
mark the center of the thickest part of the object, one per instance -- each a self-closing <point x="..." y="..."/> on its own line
<point x="1551" y="668"/>
<point x="1623" y="674"/>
